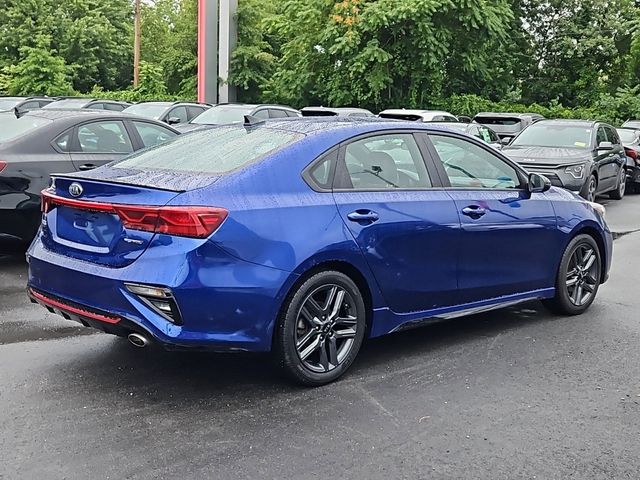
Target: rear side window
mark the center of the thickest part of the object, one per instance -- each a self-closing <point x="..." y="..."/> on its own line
<point x="104" y="137"/>
<point x="390" y="161"/>
<point x="212" y="151"/>
<point x="194" y="111"/>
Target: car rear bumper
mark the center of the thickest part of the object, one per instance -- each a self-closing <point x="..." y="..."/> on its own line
<point x="226" y="304"/>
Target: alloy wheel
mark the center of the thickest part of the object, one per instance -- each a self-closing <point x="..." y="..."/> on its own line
<point x="326" y="327"/>
<point x="582" y="274"/>
<point x="622" y="186"/>
<point x="593" y="185"/>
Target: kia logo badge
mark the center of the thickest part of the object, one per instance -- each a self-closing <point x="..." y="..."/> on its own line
<point x="75" y="189"/>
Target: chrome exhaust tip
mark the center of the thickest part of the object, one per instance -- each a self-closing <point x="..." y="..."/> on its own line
<point x="138" y="340"/>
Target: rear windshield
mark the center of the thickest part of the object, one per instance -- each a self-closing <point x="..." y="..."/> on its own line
<point x="211" y="151"/>
<point x="223" y="115"/>
<point x="147" y="110"/>
<point x="560" y="136"/>
<point x="68" y="103"/>
<point x="9" y="103"/>
<point x="12" y="127"/>
<point x="319" y="113"/>
<point x="497" y="120"/>
<point x="632" y="124"/>
<point x="401" y="116"/>
<point x="627" y="136"/>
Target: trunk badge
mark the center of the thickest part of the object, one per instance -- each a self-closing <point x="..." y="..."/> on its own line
<point x="75" y="189"/>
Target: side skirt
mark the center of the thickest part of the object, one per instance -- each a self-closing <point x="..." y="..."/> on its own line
<point x="386" y="321"/>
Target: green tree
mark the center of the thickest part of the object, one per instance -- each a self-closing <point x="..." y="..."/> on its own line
<point x="94" y="37"/>
<point x="40" y="71"/>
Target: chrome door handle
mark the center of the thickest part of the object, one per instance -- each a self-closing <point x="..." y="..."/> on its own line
<point x="363" y="216"/>
<point x="473" y="211"/>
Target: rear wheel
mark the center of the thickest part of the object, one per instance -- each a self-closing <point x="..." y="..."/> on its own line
<point x="578" y="277"/>
<point x="321" y="329"/>
<point x="618" y="193"/>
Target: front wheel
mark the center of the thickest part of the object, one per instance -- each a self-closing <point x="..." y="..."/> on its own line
<point x="618" y="193"/>
<point x="321" y="329"/>
<point x="578" y="277"/>
<point x="590" y="188"/>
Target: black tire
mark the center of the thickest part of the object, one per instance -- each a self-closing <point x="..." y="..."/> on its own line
<point x="337" y="347"/>
<point x="618" y="193"/>
<point x="590" y="188"/>
<point x="587" y="279"/>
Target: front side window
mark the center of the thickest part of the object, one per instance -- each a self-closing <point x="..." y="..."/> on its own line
<point x="180" y="113"/>
<point x="391" y="161"/>
<point x="152" y="134"/>
<point x="104" y="137"/>
<point x="468" y="165"/>
<point x="601" y="136"/>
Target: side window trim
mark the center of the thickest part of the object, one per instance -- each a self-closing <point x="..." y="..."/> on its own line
<point x="445" y="178"/>
<point x="332" y="156"/>
<point x="341" y="173"/>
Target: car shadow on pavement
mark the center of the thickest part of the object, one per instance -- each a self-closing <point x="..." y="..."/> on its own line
<point x="115" y="365"/>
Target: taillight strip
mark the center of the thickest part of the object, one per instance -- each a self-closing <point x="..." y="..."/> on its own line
<point x="49" y="199"/>
<point x="75" y="310"/>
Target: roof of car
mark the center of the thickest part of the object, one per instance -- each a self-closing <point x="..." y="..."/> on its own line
<point x="336" y="109"/>
<point x="65" y="113"/>
<point x="569" y="121"/>
<point x="508" y="114"/>
<point x="318" y="125"/>
<point x="409" y="111"/>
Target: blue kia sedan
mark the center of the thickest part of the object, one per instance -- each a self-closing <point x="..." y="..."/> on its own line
<point x="303" y="237"/>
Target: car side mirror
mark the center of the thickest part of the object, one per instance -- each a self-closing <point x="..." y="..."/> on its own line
<point x="505" y="141"/>
<point x="605" y="146"/>
<point x="173" y="120"/>
<point x="538" y="183"/>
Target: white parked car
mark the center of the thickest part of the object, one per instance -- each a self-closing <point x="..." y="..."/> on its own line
<point x="418" y="115"/>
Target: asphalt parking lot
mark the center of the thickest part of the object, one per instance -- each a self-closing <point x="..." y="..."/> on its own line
<point x="517" y="393"/>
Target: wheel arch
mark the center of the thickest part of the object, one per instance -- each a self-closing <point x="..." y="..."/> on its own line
<point x="345" y="267"/>
<point x="594" y="233"/>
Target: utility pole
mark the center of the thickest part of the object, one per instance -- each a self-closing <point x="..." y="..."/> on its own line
<point x="136" y="44"/>
<point x="227" y="44"/>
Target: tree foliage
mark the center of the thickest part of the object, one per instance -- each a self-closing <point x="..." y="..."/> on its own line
<point x="94" y="37"/>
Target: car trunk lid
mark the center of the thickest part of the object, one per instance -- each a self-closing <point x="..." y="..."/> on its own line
<point x="81" y="219"/>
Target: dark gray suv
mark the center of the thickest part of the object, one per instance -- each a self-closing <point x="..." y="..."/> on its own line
<point x="579" y="155"/>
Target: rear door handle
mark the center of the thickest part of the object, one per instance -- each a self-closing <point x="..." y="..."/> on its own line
<point x="363" y="216"/>
<point x="473" y="211"/>
<point x="87" y="166"/>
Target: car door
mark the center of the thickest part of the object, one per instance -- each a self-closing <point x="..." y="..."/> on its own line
<point x="405" y="226"/>
<point x="508" y="236"/>
<point x="605" y="162"/>
<point x="99" y="142"/>
<point x="616" y="158"/>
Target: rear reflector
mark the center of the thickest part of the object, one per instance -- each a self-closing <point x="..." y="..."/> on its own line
<point x="3" y="165"/>
<point x="194" y="222"/>
<point x="51" y="302"/>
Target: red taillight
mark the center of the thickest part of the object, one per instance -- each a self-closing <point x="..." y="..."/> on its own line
<point x="631" y="153"/>
<point x="3" y="165"/>
<point x="195" y="222"/>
